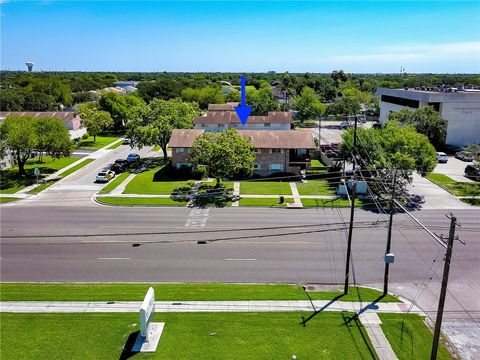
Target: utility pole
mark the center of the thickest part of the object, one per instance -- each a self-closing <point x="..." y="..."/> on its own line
<point x="389" y="236"/>
<point x="443" y="291"/>
<point x="352" y="213"/>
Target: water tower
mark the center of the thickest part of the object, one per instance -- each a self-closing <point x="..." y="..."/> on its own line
<point x="29" y="66"/>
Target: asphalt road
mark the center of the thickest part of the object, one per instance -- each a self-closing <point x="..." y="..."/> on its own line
<point x="41" y="242"/>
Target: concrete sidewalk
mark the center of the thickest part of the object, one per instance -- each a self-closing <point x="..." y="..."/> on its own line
<point x="206" y="306"/>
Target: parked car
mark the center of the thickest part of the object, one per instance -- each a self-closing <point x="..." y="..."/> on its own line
<point x="105" y="175"/>
<point x="120" y="165"/>
<point x="345" y="125"/>
<point x="335" y="146"/>
<point x="326" y="148"/>
<point x="126" y="142"/>
<point x="442" y="157"/>
<point x="473" y="172"/>
<point x="332" y="154"/>
<point x="464" y="156"/>
<point x="132" y="157"/>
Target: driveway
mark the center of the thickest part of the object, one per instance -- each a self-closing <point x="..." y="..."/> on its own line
<point x="454" y="168"/>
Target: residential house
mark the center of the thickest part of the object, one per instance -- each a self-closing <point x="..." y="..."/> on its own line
<point x="72" y="121"/>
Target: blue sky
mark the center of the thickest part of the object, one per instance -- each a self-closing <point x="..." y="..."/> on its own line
<point x="359" y="36"/>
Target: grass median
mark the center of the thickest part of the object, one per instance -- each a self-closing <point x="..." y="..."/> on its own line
<point x="185" y="336"/>
<point x="265" y="188"/>
<point x="5" y="200"/>
<point x="263" y="202"/>
<point x="114" y="183"/>
<point x="139" y="201"/>
<point x="457" y="188"/>
<point x="409" y="337"/>
<point x="176" y="292"/>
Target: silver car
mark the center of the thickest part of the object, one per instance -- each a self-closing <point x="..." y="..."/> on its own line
<point x="105" y="175"/>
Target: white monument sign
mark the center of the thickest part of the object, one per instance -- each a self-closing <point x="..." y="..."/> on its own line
<point x="150" y="332"/>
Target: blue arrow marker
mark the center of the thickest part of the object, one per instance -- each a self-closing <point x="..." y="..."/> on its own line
<point x="243" y="111"/>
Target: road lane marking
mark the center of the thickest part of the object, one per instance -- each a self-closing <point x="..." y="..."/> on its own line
<point x="240" y="259"/>
<point x="113" y="258"/>
<point x="197" y="218"/>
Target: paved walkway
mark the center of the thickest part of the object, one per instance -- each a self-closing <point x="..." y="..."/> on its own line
<point x="372" y="323"/>
<point x="297" y="201"/>
<point x="236" y="192"/>
<point x="206" y="306"/>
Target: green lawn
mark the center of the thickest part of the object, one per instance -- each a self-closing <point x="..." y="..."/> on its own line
<point x="10" y="182"/>
<point x="265" y="188"/>
<point x="100" y="142"/>
<point x="316" y="163"/>
<point x="314" y="187"/>
<point x="152" y="182"/>
<point x="117" y="200"/>
<point x="186" y="336"/>
<point x="4" y="200"/>
<point x="156" y="148"/>
<point x="268" y="202"/>
<point x="116" y="145"/>
<point x="455" y="187"/>
<point x="114" y="183"/>
<point x="76" y="167"/>
<point x="175" y="292"/>
<point x="415" y="341"/>
<point x="328" y="203"/>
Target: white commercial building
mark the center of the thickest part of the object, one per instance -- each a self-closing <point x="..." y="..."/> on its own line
<point x="460" y="108"/>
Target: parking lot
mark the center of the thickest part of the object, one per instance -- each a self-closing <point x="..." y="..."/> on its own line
<point x="331" y="132"/>
<point x="454" y="168"/>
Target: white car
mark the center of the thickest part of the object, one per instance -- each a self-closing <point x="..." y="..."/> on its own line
<point x="442" y="157"/>
<point x="105" y="175"/>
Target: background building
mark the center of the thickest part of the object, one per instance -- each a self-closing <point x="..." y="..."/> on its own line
<point x="458" y="106"/>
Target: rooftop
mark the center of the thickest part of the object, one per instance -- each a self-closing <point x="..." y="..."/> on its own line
<point x="62" y="115"/>
<point x="230" y="117"/>
<point x="261" y="139"/>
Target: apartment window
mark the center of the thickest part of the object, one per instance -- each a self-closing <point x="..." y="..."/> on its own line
<point x="275" y="167"/>
<point x="180" y="150"/>
<point x="266" y="124"/>
<point x="258" y="151"/>
<point x="221" y="125"/>
<point x="276" y="151"/>
<point x="204" y="125"/>
<point x="257" y="166"/>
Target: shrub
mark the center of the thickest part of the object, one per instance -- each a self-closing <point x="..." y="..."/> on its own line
<point x="85" y="136"/>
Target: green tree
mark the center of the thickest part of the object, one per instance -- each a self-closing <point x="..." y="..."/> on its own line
<point x="118" y="106"/>
<point x="344" y="106"/>
<point x="262" y="101"/>
<point x="52" y="138"/>
<point x="392" y="146"/>
<point x="233" y="96"/>
<point x="337" y="76"/>
<point x="426" y="121"/>
<point x="152" y="124"/>
<point x="18" y="134"/>
<point x="203" y="96"/>
<point x="11" y="100"/>
<point x="93" y="119"/>
<point x="225" y="153"/>
<point x="308" y="105"/>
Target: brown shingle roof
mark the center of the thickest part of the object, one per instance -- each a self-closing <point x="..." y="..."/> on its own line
<point x="280" y="139"/>
<point x="62" y="115"/>
<point x="184" y="137"/>
<point x="230" y="117"/>
<point x="261" y="139"/>
<point x="229" y="106"/>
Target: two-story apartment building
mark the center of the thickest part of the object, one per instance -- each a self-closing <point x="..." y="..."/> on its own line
<point x="223" y="116"/>
<point x="277" y="150"/>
